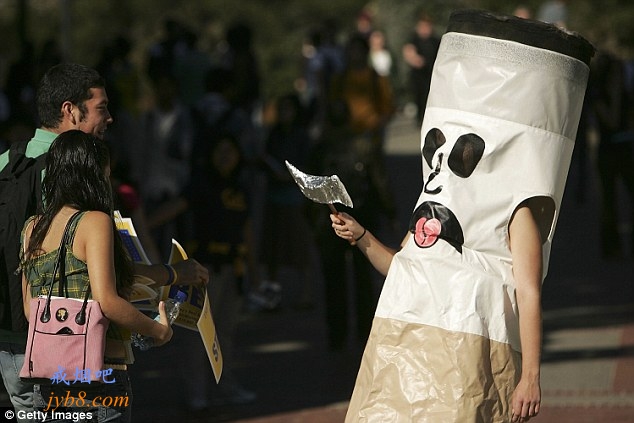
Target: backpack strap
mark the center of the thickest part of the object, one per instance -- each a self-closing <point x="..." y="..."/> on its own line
<point x="39" y="165"/>
<point x="18" y="161"/>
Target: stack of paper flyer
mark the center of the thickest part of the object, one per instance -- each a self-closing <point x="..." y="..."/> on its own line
<point x="195" y="313"/>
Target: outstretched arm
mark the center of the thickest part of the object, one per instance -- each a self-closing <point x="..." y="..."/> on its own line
<point x="380" y="255"/>
<point x="526" y="250"/>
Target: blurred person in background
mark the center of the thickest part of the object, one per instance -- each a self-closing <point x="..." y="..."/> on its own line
<point x="322" y="59"/>
<point x="522" y="11"/>
<point x="348" y="276"/>
<point x="369" y="100"/>
<point x="380" y="55"/>
<point x="165" y="148"/>
<point x="364" y="24"/>
<point x="612" y="103"/>
<point x="554" y="12"/>
<point x="288" y="139"/>
<point x="218" y="199"/>
<point x="368" y="95"/>
<point x="239" y="58"/>
<point x="419" y="54"/>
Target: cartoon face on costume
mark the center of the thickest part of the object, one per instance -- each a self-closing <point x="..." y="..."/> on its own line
<point x="484" y="154"/>
<point x="432" y="220"/>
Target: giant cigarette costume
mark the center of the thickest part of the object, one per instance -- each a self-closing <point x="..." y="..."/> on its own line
<point x="499" y="128"/>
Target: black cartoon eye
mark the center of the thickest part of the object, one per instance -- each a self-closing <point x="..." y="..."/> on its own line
<point x="465" y="154"/>
<point x="433" y="141"/>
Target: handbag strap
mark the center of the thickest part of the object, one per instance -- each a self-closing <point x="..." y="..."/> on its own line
<point x="80" y="319"/>
<point x="61" y="255"/>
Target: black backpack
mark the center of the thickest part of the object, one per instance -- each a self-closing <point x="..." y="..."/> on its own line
<point x="20" y="198"/>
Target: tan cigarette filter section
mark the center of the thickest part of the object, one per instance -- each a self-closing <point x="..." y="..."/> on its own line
<point x="400" y="382"/>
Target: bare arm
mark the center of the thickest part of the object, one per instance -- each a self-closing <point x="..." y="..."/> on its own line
<point x="411" y="56"/>
<point x="526" y="250"/>
<point x="348" y="228"/>
<point x="95" y="241"/>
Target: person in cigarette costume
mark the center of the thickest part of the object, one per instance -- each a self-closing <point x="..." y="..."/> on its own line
<point x="457" y="332"/>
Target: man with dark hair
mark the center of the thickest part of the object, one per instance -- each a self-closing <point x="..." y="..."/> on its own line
<point x="72" y="85"/>
<point x="70" y="96"/>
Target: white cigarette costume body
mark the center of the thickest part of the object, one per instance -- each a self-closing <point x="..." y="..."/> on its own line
<point x="499" y="128"/>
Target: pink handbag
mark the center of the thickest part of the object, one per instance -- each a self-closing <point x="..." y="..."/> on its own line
<point x="66" y="336"/>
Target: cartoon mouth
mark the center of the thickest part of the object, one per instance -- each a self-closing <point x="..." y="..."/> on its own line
<point x="432" y="221"/>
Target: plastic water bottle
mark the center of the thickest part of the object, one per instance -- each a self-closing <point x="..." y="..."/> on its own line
<point x="172" y="308"/>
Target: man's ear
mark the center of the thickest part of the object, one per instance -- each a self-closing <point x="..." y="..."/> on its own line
<point x="69" y="113"/>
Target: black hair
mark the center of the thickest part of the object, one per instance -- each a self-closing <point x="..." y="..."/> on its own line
<point x="65" y="82"/>
<point x="76" y="177"/>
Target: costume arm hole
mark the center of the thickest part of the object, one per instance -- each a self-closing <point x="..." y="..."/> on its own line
<point x="543" y="210"/>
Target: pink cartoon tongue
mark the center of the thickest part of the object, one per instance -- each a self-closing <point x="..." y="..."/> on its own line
<point x="427" y="231"/>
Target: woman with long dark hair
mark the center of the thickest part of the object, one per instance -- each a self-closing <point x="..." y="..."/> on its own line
<point x="77" y="187"/>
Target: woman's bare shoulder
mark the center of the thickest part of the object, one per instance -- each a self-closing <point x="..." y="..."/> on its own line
<point x="94" y="228"/>
<point x="96" y="217"/>
<point x="95" y="222"/>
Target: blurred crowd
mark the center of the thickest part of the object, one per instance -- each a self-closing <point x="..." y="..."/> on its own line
<point x="202" y="160"/>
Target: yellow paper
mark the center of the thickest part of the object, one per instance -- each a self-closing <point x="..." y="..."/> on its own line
<point x="209" y="336"/>
<point x="191" y="309"/>
<point x="195" y="312"/>
<point x="142" y="292"/>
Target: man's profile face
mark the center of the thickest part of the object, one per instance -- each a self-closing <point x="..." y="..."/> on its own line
<point x="96" y="119"/>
